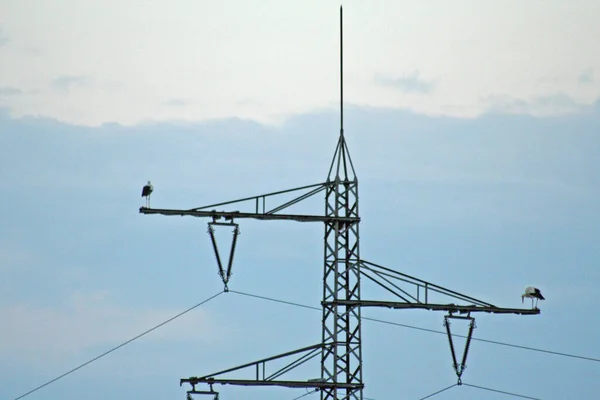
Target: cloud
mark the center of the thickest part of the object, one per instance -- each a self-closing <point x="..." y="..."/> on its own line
<point x="66" y="82"/>
<point x="176" y="102"/>
<point x="429" y="152"/>
<point x="9" y="91"/>
<point x="553" y="104"/>
<point x="3" y="38"/>
<point x="587" y="76"/>
<point x="408" y="84"/>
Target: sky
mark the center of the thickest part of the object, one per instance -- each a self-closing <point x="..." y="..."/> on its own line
<point x="473" y="128"/>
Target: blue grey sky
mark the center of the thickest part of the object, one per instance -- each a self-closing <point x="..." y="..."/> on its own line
<point x="474" y="132"/>
<point x="484" y="206"/>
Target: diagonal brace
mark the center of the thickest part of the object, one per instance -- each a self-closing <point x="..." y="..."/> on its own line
<point x="264" y="380"/>
<point x="383" y="273"/>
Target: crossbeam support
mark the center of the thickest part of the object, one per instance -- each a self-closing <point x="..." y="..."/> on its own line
<point x="390" y="280"/>
<point x="462" y="309"/>
<point x="288" y="384"/>
<point x="230" y="215"/>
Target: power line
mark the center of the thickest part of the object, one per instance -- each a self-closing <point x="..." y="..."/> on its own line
<point x="276" y="300"/>
<point x="500" y="391"/>
<point x="118" y="347"/>
<point x="306" y="394"/>
<point x="438" y="392"/>
<point x="426" y="329"/>
<point x="312" y="308"/>
<point x="487" y="341"/>
<point x="473" y="386"/>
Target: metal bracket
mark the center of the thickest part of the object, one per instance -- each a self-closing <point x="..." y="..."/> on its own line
<point x="206" y="392"/>
<point x="459" y="368"/>
<point x="224" y="274"/>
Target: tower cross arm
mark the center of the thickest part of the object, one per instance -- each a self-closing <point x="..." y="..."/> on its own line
<point x="317" y="384"/>
<point x="229" y="215"/>
<point x="273" y="377"/>
<point x="260" y="210"/>
<point x="451" y="308"/>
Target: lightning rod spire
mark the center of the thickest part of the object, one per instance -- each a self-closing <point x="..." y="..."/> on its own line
<point x="341" y="74"/>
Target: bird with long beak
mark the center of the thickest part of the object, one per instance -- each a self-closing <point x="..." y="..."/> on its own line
<point x="532" y="293"/>
<point x="146" y="192"/>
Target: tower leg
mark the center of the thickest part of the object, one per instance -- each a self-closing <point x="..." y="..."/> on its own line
<point x="342" y="361"/>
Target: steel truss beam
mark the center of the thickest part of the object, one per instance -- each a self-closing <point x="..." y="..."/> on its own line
<point x="261" y="378"/>
<point x="230" y="215"/>
<point x="451" y="308"/>
<point x="415" y="293"/>
<point x="260" y="210"/>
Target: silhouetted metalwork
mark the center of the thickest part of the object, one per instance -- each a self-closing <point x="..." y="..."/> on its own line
<point x="225" y="275"/>
<point x="340" y="350"/>
<point x="459" y="368"/>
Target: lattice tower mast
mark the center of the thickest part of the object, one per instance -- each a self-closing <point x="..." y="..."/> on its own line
<point x="340" y="348"/>
<point x="342" y="361"/>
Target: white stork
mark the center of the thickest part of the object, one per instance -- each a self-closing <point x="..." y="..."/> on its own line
<point x="146" y="192"/>
<point x="532" y="293"/>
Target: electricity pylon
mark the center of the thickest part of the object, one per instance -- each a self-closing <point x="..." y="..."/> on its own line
<point x="340" y="349"/>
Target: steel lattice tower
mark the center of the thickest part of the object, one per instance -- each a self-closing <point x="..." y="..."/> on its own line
<point x="342" y="360"/>
<point x="340" y="348"/>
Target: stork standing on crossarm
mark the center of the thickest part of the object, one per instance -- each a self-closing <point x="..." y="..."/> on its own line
<point x="146" y="192"/>
<point x="532" y="293"/>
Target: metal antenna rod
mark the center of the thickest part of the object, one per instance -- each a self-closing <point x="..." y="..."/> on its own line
<point x="341" y="75"/>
